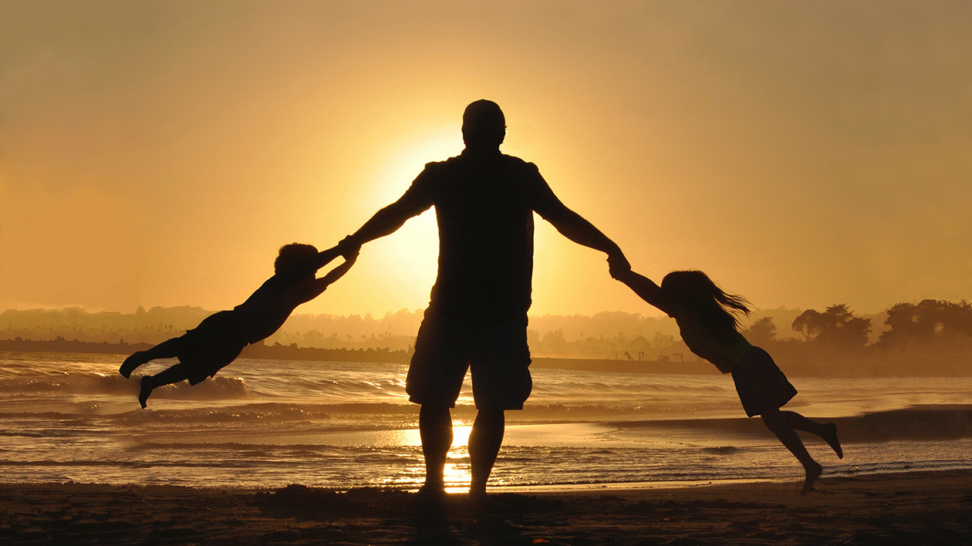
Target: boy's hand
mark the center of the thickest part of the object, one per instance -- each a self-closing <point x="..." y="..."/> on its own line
<point x="349" y="248"/>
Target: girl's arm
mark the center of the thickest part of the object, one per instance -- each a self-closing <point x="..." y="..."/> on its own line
<point x="645" y="288"/>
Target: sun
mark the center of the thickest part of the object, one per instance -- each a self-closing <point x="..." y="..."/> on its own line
<point x="405" y="161"/>
<point x="412" y="251"/>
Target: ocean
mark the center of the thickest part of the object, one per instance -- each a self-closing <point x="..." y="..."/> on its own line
<point x="267" y="424"/>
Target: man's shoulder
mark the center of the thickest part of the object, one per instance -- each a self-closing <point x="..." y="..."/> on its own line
<point x="511" y="161"/>
<point x="458" y="166"/>
<point x="438" y="168"/>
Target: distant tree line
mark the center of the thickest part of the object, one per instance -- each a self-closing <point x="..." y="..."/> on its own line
<point x="928" y="337"/>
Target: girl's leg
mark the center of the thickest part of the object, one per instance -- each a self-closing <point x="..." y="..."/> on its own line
<point x="791" y="441"/>
<point x="166" y="349"/>
<point x="826" y="431"/>
<point x="151" y="382"/>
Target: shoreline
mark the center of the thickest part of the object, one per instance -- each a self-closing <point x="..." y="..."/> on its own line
<point x="909" y="507"/>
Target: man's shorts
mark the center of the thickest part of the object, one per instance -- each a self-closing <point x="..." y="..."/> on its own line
<point x="497" y="354"/>
<point x="209" y="347"/>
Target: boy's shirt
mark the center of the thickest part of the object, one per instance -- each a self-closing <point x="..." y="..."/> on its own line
<point x="266" y="310"/>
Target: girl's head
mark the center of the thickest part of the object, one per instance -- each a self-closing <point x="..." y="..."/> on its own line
<point x="293" y="255"/>
<point x="696" y="291"/>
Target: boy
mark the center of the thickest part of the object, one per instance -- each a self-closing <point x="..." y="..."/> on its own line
<point x="220" y="338"/>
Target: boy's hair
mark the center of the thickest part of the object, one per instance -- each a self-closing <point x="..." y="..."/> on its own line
<point x="695" y="290"/>
<point x="292" y="256"/>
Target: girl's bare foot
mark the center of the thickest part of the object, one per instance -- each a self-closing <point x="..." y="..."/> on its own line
<point x="813" y="472"/>
<point x="145" y="390"/>
<point x="831" y="437"/>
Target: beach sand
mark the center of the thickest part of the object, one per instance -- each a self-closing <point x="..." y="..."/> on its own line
<point x="906" y="508"/>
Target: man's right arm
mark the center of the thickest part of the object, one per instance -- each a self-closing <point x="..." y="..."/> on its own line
<point x="387" y="220"/>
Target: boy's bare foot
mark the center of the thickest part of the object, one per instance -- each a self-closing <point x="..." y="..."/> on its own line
<point x="131" y="363"/>
<point x="813" y="472"/>
<point x="145" y="390"/>
<point x="831" y="437"/>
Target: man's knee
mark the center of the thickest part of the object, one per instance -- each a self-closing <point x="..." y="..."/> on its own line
<point x="490" y="416"/>
<point x="429" y="413"/>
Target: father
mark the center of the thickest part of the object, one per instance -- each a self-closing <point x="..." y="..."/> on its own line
<point x="477" y="317"/>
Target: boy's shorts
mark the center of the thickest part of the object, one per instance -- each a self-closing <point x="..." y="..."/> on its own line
<point x="497" y="354"/>
<point x="760" y="383"/>
<point x="209" y="347"/>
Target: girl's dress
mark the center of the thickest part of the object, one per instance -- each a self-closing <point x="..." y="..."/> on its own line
<point x="760" y="384"/>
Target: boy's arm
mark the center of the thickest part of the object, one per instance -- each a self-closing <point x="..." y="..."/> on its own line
<point x="322" y="283"/>
<point x="325" y="257"/>
<point x="644" y="287"/>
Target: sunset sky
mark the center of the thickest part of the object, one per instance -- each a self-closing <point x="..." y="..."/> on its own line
<point x="802" y="153"/>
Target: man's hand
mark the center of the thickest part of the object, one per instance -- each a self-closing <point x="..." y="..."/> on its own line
<point x="618" y="265"/>
<point x="349" y="248"/>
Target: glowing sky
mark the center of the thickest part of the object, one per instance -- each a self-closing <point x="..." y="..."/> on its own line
<point x="802" y="153"/>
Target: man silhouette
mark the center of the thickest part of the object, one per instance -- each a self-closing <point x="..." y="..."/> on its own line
<point x="477" y="316"/>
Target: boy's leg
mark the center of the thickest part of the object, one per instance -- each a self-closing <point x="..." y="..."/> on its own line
<point x="485" y="440"/>
<point x="166" y="349"/>
<point x="435" y="429"/>
<point x="791" y="441"/>
<point x="826" y="431"/>
<point x="151" y="382"/>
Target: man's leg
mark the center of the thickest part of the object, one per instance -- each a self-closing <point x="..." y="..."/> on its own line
<point x="485" y="440"/>
<point x="435" y="429"/>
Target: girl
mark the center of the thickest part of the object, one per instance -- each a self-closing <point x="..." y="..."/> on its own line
<point x="707" y="322"/>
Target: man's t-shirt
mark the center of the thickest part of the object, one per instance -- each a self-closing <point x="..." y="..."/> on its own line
<point x="484" y="208"/>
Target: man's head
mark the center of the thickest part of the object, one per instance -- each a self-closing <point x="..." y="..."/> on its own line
<point x="483" y="125"/>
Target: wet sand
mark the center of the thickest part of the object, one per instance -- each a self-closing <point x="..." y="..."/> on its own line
<point x="907" y="508"/>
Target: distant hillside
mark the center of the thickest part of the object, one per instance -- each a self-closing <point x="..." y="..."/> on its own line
<point x="257" y="351"/>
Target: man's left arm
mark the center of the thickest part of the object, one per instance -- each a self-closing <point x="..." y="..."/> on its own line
<point x="575" y="227"/>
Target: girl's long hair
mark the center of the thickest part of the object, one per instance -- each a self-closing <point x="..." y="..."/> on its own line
<point x="696" y="291"/>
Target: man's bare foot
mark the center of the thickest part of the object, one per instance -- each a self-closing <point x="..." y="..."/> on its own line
<point x="813" y="472"/>
<point x="131" y="363"/>
<point x="431" y="497"/>
<point x="145" y="390"/>
<point x="831" y="437"/>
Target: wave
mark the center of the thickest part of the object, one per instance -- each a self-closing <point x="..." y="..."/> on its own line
<point x="214" y="388"/>
<point x="68" y="383"/>
<point x="94" y="383"/>
<point x="913" y="423"/>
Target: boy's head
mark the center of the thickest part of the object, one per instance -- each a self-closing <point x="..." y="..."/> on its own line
<point x="293" y="255"/>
